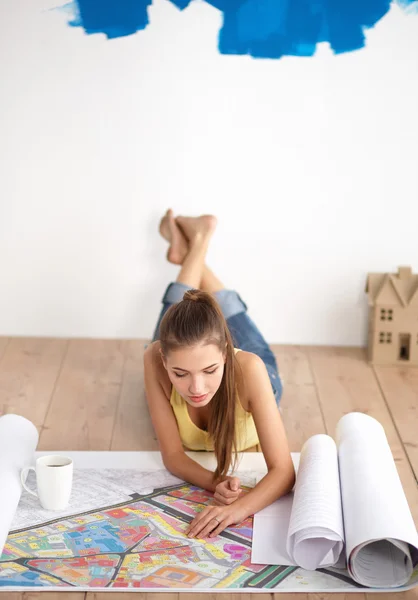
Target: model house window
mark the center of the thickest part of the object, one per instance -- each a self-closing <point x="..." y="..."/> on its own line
<point x="386" y="314"/>
<point x="385" y="337"/>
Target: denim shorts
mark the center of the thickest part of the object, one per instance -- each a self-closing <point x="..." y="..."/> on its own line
<point x="244" y="331"/>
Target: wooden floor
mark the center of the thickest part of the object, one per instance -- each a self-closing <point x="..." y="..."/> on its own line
<point x="89" y="395"/>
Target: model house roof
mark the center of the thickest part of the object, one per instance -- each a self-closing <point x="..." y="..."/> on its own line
<point x="394" y="289"/>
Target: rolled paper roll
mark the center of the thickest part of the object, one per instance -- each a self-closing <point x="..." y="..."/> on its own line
<point x="18" y="440"/>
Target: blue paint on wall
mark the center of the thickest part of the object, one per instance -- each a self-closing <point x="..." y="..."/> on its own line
<point x="259" y="28"/>
<point x="114" y="18"/>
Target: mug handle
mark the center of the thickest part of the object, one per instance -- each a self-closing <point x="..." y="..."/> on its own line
<point x="23" y="474"/>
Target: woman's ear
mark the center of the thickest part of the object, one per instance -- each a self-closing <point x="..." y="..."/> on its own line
<point x="163" y="359"/>
<point x="224" y="353"/>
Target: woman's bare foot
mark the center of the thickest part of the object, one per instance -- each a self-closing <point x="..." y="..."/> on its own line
<point x="171" y="232"/>
<point x="197" y="227"/>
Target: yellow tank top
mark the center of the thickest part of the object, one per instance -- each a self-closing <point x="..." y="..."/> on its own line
<point x="194" y="438"/>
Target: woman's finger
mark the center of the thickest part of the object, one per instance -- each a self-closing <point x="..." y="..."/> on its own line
<point x="221" y="499"/>
<point x="234" y="484"/>
<point x="218" y="498"/>
<point x="213" y="524"/>
<point x="199" y="525"/>
<point x="198" y="518"/>
<point x="222" y="525"/>
<point x="228" y="493"/>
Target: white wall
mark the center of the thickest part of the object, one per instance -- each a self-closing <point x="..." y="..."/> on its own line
<point x="309" y="163"/>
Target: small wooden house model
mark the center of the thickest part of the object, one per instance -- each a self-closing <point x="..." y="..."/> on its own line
<point x="393" y="317"/>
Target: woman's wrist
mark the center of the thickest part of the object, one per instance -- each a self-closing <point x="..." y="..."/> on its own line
<point x="243" y="506"/>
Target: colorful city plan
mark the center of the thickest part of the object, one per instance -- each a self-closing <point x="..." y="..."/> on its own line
<point x="140" y="543"/>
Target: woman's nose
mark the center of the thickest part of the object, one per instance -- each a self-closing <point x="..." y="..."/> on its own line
<point x="196" y="387"/>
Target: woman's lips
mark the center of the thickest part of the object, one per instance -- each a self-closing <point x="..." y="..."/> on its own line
<point x="198" y="398"/>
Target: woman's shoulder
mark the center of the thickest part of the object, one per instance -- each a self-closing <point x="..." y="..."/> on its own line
<point x="152" y="354"/>
<point x="251" y="366"/>
<point x="248" y="361"/>
<point x="154" y="362"/>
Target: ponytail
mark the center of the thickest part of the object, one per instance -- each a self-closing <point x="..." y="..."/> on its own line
<point x="198" y="318"/>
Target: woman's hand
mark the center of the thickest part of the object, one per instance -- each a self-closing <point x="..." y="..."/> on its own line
<point x="227" y="491"/>
<point x="214" y="519"/>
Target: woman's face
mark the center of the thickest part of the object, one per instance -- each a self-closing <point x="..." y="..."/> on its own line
<point x="196" y="372"/>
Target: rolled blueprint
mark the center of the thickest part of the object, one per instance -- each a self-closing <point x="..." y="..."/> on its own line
<point x="380" y="534"/>
<point x="18" y="441"/>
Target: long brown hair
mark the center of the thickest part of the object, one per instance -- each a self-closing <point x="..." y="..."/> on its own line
<point x="196" y="319"/>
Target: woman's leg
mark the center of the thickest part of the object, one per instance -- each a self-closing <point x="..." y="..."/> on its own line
<point x="245" y="333"/>
<point x="199" y="231"/>
<point x="178" y="249"/>
<point x="188" y="245"/>
<point x="191" y="254"/>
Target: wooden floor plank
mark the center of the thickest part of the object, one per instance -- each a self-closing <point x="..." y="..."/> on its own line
<point x="46" y="595"/>
<point x="3" y="345"/>
<point x="53" y="596"/>
<point x="135" y="596"/>
<point x="409" y="595"/>
<point x="400" y="389"/>
<point x="83" y="408"/>
<point x="301" y="411"/>
<point x="287" y="596"/>
<point x="216" y="596"/>
<point x="28" y="374"/>
<point x="339" y="596"/>
<point x="226" y="596"/>
<point x="133" y="428"/>
<point x="346" y="383"/>
<point x="159" y="596"/>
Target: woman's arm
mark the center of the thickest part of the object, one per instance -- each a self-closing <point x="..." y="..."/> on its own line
<point x="281" y="474"/>
<point x="157" y="390"/>
<point x="280" y="478"/>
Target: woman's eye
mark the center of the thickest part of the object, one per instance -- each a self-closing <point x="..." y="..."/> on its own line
<point x="184" y="374"/>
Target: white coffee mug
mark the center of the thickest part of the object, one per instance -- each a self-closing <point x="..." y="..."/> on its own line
<point x="54" y="478"/>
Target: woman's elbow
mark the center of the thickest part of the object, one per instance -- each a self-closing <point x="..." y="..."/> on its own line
<point x="171" y="462"/>
<point x="291" y="478"/>
<point x="167" y="463"/>
<point x="287" y="477"/>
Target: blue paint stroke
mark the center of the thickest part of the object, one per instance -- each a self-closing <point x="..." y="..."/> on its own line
<point x="114" y="18"/>
<point x="259" y="28"/>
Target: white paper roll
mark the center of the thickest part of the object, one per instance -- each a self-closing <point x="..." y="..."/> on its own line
<point x="18" y="440"/>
